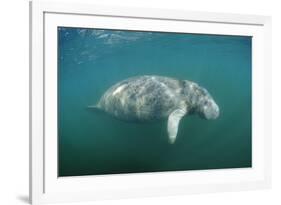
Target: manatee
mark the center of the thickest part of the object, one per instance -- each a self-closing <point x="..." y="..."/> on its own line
<point x="150" y="98"/>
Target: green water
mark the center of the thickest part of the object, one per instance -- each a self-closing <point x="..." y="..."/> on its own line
<point x="91" y="60"/>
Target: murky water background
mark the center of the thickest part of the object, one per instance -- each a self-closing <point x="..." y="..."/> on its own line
<point x="92" y="60"/>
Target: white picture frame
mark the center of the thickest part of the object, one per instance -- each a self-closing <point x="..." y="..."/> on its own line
<point x="46" y="187"/>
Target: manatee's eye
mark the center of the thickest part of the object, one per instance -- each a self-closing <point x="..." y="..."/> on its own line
<point x="206" y="102"/>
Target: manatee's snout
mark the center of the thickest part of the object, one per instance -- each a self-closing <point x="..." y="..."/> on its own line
<point x="211" y="110"/>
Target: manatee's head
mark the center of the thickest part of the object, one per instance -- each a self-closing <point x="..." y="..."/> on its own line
<point x="201" y="101"/>
<point x="208" y="108"/>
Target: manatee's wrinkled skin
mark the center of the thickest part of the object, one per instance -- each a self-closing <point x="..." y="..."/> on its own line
<point x="147" y="98"/>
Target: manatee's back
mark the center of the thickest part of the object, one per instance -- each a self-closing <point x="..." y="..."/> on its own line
<point x="142" y="98"/>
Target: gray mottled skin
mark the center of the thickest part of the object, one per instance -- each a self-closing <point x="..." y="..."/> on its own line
<point x="149" y="98"/>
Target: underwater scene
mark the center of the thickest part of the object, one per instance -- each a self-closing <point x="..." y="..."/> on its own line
<point x="142" y="101"/>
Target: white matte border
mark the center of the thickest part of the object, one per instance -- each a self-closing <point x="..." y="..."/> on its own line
<point x="46" y="187"/>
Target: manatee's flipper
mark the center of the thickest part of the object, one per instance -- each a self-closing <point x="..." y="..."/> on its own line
<point x="173" y="123"/>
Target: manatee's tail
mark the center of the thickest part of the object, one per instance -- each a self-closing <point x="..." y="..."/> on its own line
<point x="93" y="107"/>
